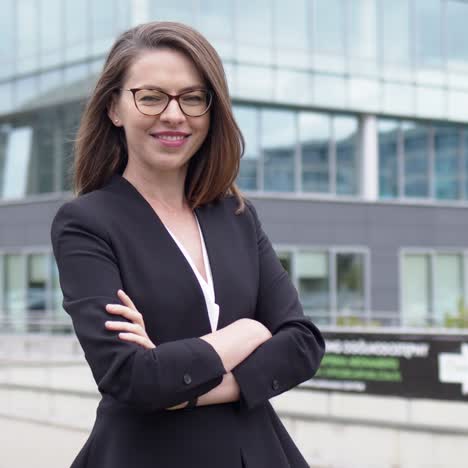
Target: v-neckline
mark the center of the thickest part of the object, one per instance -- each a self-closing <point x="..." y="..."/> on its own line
<point x="208" y="281"/>
<point x="158" y="220"/>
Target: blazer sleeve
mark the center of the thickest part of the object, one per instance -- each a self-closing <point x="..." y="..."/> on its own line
<point x="147" y="379"/>
<point x="293" y="354"/>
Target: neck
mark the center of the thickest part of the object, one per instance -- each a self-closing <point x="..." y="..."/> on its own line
<point x="163" y="188"/>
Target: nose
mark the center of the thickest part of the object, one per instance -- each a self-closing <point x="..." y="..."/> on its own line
<point x="173" y="112"/>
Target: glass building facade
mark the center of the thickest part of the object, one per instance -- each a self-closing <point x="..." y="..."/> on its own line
<point x="355" y="115"/>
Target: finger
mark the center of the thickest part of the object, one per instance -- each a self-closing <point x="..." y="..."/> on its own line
<point x="142" y="341"/>
<point x="124" y="296"/>
<point x="131" y="327"/>
<point x="126" y="312"/>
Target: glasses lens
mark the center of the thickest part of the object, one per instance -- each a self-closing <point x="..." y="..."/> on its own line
<point x="150" y="102"/>
<point x="195" y="103"/>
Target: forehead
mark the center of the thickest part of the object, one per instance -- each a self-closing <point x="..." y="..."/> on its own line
<point x="165" y="68"/>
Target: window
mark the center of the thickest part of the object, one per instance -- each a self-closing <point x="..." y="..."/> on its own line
<point x="247" y="119"/>
<point x="14" y="287"/>
<point x="315" y="138"/>
<point x="278" y="146"/>
<point x="457" y="39"/>
<point x="299" y="151"/>
<point x="388" y="158"/>
<point x="447" y="162"/>
<point x="395" y="23"/>
<point x="331" y="283"/>
<point x="417" y="160"/>
<point x="428" y="32"/>
<point x="346" y="143"/>
<point x="432" y="288"/>
<point x="32" y="297"/>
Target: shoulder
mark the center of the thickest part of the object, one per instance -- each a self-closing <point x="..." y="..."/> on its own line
<point x="84" y="211"/>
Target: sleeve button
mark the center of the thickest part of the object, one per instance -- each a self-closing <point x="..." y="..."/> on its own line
<point x="187" y="379"/>
<point x="275" y="385"/>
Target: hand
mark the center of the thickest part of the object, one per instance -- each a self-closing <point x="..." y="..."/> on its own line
<point x="135" y="331"/>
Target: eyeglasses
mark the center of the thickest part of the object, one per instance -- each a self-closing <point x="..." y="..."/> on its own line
<point x="153" y="102"/>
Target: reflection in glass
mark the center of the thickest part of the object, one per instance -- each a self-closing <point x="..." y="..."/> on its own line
<point x="292" y="35"/>
<point x="18" y="154"/>
<point x="14" y="289"/>
<point x="7" y="42"/>
<point x="173" y="10"/>
<point x="314" y="137"/>
<point x="363" y="32"/>
<point x="36" y="290"/>
<point x="26" y="42"/>
<point x="254" y="82"/>
<point x="447" y="162"/>
<point x="448" y="287"/>
<point x="51" y="33"/>
<point x="345" y="131"/>
<point x="215" y="21"/>
<point x="278" y="144"/>
<point x="246" y="118"/>
<point x="254" y="31"/>
<point x="416" y="290"/>
<point x="77" y="30"/>
<point x="314" y="282"/>
<point x="349" y="282"/>
<point x="465" y="160"/>
<point x="388" y="158"/>
<point x="71" y="114"/>
<point x="4" y="135"/>
<point x="329" y="26"/>
<point x="46" y="138"/>
<point x="395" y="24"/>
<point x="416" y="150"/>
<point x="428" y="39"/>
<point x="102" y="25"/>
<point x="457" y="39"/>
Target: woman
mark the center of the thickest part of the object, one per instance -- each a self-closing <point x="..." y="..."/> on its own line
<point x="187" y="319"/>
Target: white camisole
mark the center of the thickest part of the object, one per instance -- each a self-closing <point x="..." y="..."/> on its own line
<point x="207" y="287"/>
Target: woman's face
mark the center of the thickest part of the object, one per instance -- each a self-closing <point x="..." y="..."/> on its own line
<point x="172" y="72"/>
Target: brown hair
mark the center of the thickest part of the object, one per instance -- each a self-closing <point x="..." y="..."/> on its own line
<point x="100" y="147"/>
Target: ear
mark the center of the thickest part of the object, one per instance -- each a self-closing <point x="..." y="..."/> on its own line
<point x="113" y="113"/>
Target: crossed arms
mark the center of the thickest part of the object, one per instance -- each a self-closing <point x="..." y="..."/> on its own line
<point x="249" y="360"/>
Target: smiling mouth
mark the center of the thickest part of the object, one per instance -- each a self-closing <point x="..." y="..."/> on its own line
<point x="170" y="138"/>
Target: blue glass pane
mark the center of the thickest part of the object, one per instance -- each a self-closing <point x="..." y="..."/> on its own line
<point x="388" y="158"/>
<point x="346" y="141"/>
<point x="278" y="145"/>
<point x="314" y="136"/>
<point x="246" y="118"/>
<point x="395" y="23"/>
<point x="329" y="26"/>
<point x="457" y="38"/>
<point x="447" y="162"/>
<point x="416" y="156"/>
<point x="428" y="16"/>
<point x="7" y="38"/>
<point x="173" y="10"/>
<point x="77" y="30"/>
<point x="27" y="24"/>
<point x="465" y="159"/>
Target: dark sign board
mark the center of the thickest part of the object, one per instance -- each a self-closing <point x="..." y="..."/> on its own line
<point x="395" y="364"/>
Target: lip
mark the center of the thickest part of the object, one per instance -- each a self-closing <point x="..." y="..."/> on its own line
<point x="171" y="144"/>
<point x="169" y="133"/>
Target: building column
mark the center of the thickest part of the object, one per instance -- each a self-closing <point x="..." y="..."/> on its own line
<point x="369" y="164"/>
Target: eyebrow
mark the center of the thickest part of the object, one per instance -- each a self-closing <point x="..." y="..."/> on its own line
<point x="187" y="88"/>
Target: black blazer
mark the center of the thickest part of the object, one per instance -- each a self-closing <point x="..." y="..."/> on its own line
<point x="111" y="238"/>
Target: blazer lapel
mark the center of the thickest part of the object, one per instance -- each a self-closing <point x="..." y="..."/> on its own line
<point x="211" y="227"/>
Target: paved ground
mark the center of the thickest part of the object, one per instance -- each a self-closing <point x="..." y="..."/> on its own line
<point x="25" y="444"/>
